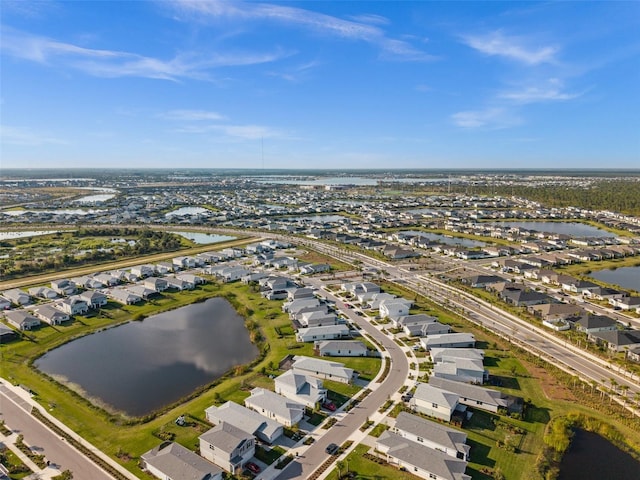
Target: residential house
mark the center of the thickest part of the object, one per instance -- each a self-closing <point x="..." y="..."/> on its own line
<point x="300" y="305"/>
<point x="228" y="447"/>
<point x="51" y="315"/>
<point x="5" y="303"/>
<point x="190" y="278"/>
<point x="556" y="311"/>
<point x="124" y="297"/>
<point x="481" y="281"/>
<point x="412" y="320"/>
<point x="17" y="296"/>
<point x="524" y="298"/>
<point x="43" y="292"/>
<point x="625" y="303"/>
<point x="395" y="308"/>
<point x="617" y="340"/>
<point x="74" y="305"/>
<point x="432" y="328"/>
<point x="94" y="299"/>
<point x="594" y="323"/>
<point x="323" y="369"/>
<point x="304" y="389"/>
<point x="154" y="283"/>
<point x="328" y="332"/>
<point x="461" y="370"/>
<point x="433" y="435"/>
<point x="141" y="291"/>
<point x="443" y="354"/>
<point x="63" y="286"/>
<point x="341" y="348"/>
<point x="86" y="281"/>
<point x="448" y="340"/>
<point x="22" y="320"/>
<point x="434" y="402"/>
<point x="295" y="293"/>
<point x="162" y="268"/>
<point x="172" y="461"/>
<point x="245" y="419"/>
<point x="107" y="279"/>
<point x="420" y="460"/>
<point x="281" y="409"/>
<point x="143" y="271"/>
<point x="182" y="262"/>
<point x="604" y="293"/>
<point x="317" y="318"/>
<point x="477" y="396"/>
<point x="178" y="284"/>
<point x="7" y="335"/>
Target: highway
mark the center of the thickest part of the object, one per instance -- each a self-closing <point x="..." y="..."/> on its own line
<point x="565" y="355"/>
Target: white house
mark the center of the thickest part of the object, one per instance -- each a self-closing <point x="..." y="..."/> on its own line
<point x="300" y="388"/>
<point x="420" y="460"/>
<point x="323" y="369"/>
<point x="461" y="370"/>
<point x="43" y="292"/>
<point x="397" y="307"/>
<point x="444" y="354"/>
<point x="274" y="406"/>
<point x="63" y="286"/>
<point x="433" y="435"/>
<point x="475" y="395"/>
<point x="448" y="340"/>
<point x="341" y="348"/>
<point x="17" y="296"/>
<point x="51" y="315"/>
<point x="434" y="402"/>
<point x="94" y="299"/>
<point x="317" y="318"/>
<point x="172" y="461"/>
<point x="5" y="304"/>
<point x="245" y="419"/>
<point x="74" y="305"/>
<point x="228" y="447"/>
<point x="143" y="271"/>
<point x="329" y="332"/>
<point x="22" y="320"/>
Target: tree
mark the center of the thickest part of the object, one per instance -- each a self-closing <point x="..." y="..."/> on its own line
<point x="340" y="464"/>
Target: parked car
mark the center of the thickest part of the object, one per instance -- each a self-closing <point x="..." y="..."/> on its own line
<point x="252" y="467"/>
<point x="329" y="406"/>
<point x="331" y="449"/>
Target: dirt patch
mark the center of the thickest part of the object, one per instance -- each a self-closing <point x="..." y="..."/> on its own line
<point x="552" y="389"/>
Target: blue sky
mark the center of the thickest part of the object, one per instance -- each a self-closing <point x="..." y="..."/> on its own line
<point x="348" y="84"/>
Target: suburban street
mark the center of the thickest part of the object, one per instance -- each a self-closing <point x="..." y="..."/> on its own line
<point x="350" y="422"/>
<point x="15" y="412"/>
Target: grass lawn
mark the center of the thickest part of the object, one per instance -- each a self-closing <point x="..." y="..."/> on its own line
<point x="367" y="367"/>
<point x="268" y="456"/>
<point x="10" y="460"/>
<point x="366" y="469"/>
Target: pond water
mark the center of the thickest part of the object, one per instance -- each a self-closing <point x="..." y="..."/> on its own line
<point x="592" y="457"/>
<point x="439" y="238"/>
<point x="284" y="180"/>
<point x="575" y="229"/>
<point x="142" y="366"/>
<point x="103" y="197"/>
<point x="204" y="238"/>
<point x="25" y="233"/>
<point x="62" y="211"/>
<point x="626" y="277"/>
<point x="188" y="211"/>
<point x="320" y="218"/>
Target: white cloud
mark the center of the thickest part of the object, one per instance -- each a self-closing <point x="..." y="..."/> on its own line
<point x="492" y="118"/>
<point x="23" y="136"/>
<point x="361" y="30"/>
<point x="191" y="115"/>
<point x="246" y="132"/>
<point x="535" y="94"/>
<point x="113" y="63"/>
<point x="512" y="47"/>
<point x="371" y="19"/>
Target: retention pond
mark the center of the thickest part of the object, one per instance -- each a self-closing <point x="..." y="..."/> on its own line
<point x="140" y="367"/>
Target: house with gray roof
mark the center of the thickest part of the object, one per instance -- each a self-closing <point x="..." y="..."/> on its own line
<point x="94" y="299"/>
<point x="73" y="305"/>
<point x="317" y="318"/>
<point x="5" y="304"/>
<point x="477" y="396"/>
<point x="141" y="291"/>
<point x="461" y="370"/>
<point x="124" y="297"/>
<point x="426" y="329"/>
<point x="328" y="332"/>
<point x="17" y="296"/>
<point x="617" y="340"/>
<point x="433" y="401"/>
<point x="433" y="435"/>
<point x="245" y="419"/>
<point x="420" y="460"/>
<point x="323" y="369"/>
<point x="63" y="286"/>
<point x="448" y="340"/>
<point x="274" y="406"/>
<point x="22" y="320"/>
<point x="341" y="348"/>
<point x="172" y="461"/>
<point x="178" y="284"/>
<point x="443" y="354"/>
<point x="51" y="315"/>
<point x="594" y="323"/>
<point x="412" y="320"/>
<point x="43" y="292"/>
<point x="228" y="447"/>
<point x="300" y="388"/>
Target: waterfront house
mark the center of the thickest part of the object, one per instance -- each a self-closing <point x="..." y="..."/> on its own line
<point x="172" y="461"/>
<point x="51" y="315"/>
<point x="22" y="320"/>
<point x="228" y="447"/>
<point x="304" y="389"/>
<point x="74" y="305"/>
<point x="94" y="299"/>
<point x="281" y="409"/>
<point x="245" y="419"/>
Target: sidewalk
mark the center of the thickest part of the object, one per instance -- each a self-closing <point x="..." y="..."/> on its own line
<point x="46" y="473"/>
<point x="26" y="398"/>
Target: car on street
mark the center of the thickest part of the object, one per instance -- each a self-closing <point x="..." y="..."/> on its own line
<point x="252" y="467"/>
<point x="331" y="449"/>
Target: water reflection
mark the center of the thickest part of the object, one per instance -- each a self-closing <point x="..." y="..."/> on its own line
<point x="142" y="366"/>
